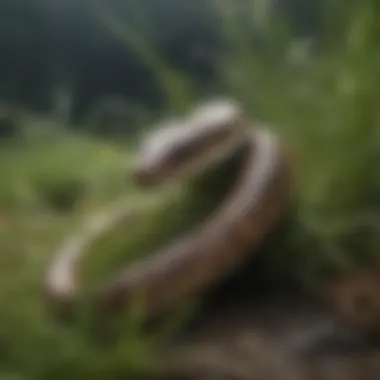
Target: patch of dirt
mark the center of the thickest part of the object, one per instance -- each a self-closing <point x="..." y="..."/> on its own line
<point x="282" y="340"/>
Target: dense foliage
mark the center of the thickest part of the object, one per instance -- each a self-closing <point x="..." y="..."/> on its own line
<point x="63" y="55"/>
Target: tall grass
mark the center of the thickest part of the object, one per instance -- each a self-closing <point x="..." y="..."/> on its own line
<point x="324" y="105"/>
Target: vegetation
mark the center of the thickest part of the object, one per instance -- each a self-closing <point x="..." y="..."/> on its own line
<point x="322" y="99"/>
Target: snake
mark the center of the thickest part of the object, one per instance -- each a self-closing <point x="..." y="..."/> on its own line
<point x="226" y="239"/>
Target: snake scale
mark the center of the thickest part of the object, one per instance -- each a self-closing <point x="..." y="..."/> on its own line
<point x="226" y="239"/>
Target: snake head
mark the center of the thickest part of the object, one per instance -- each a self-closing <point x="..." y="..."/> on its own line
<point x="184" y="147"/>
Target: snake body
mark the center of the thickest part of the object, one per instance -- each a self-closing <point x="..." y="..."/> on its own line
<point x="223" y="241"/>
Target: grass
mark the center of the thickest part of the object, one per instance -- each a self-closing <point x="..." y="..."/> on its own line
<point x="324" y="106"/>
<point x="32" y="228"/>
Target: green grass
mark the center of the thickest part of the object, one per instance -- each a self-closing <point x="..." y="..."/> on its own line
<point x="325" y="107"/>
<point x="32" y="345"/>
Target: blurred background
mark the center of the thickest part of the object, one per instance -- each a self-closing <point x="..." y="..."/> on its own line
<point x="80" y="81"/>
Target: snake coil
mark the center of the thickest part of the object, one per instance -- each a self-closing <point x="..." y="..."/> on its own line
<point x="224" y="240"/>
